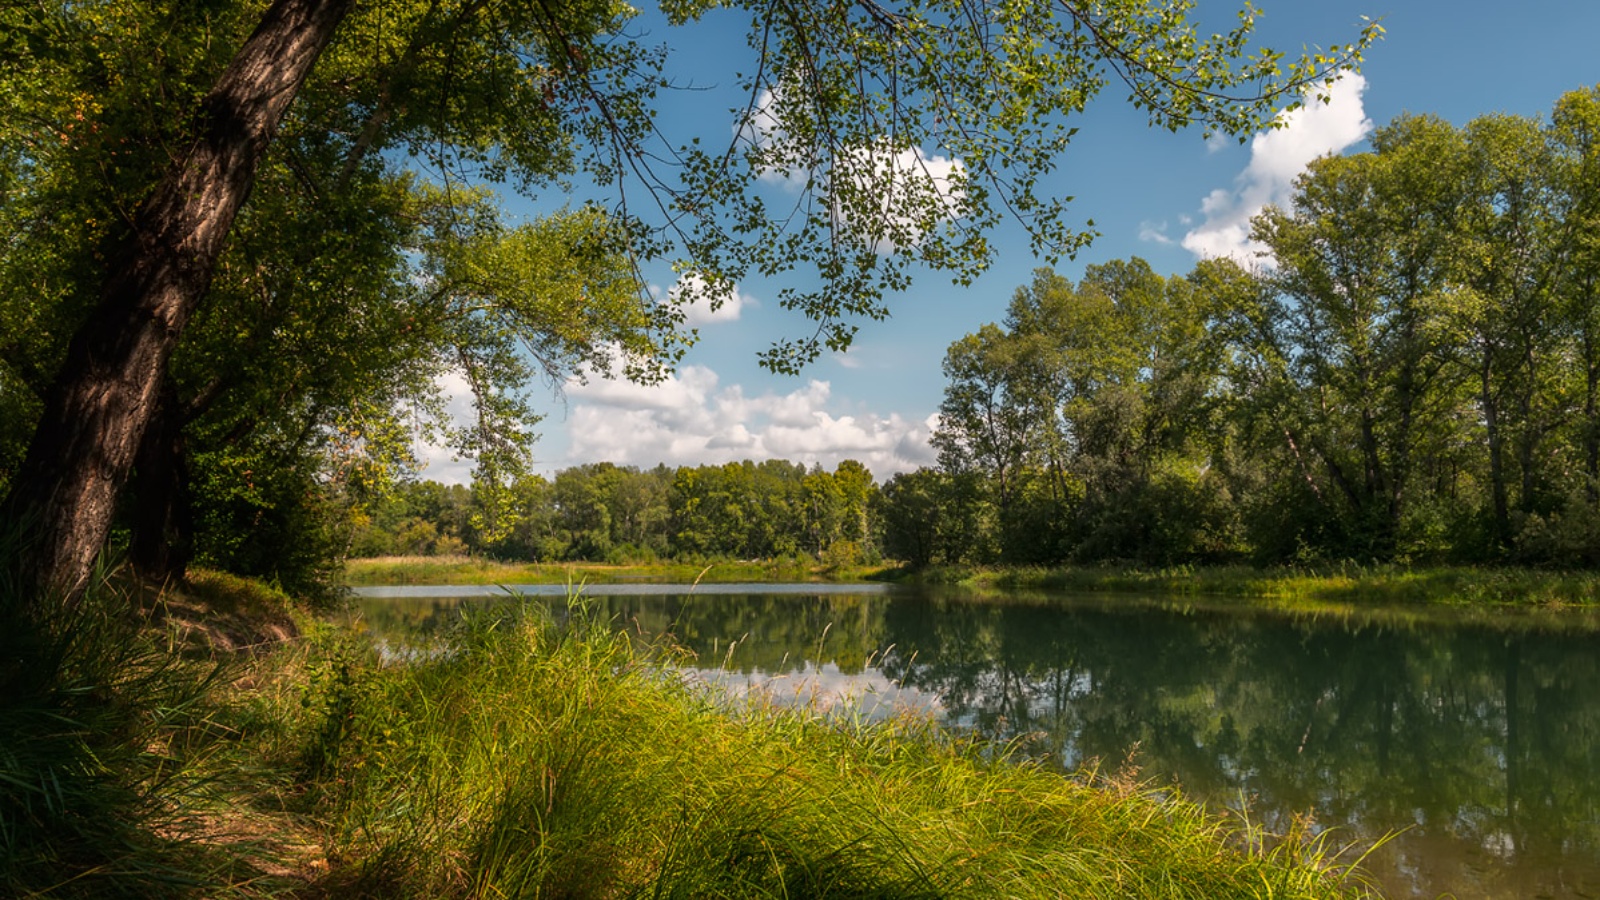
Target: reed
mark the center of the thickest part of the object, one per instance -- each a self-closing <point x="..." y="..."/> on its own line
<point x="105" y="776"/>
<point x="534" y="761"/>
<point x="519" y="758"/>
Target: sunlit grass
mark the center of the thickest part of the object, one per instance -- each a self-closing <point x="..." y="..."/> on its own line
<point x="531" y="762"/>
<point x="1349" y="582"/>
<point x="520" y="759"/>
<point x="1334" y="583"/>
<point x="474" y="570"/>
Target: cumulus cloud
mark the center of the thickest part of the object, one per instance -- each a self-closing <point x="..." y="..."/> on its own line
<point x="439" y="462"/>
<point x="888" y="180"/>
<point x="760" y="130"/>
<point x="1277" y="157"/>
<point x="692" y="419"/>
<point x="699" y="298"/>
<point x="902" y="195"/>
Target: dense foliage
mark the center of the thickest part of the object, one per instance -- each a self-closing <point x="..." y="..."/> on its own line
<point x="604" y="512"/>
<point x="1411" y="373"/>
<point x="244" y="238"/>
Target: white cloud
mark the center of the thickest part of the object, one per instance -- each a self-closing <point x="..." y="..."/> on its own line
<point x="698" y="298"/>
<point x="888" y="179"/>
<point x="1277" y="157"/>
<point x="1155" y="233"/>
<point x="440" y="463"/>
<point x="892" y="182"/>
<point x="760" y="130"/>
<point x="691" y="419"/>
<point x="759" y="125"/>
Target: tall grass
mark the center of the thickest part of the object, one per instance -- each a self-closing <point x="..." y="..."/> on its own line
<point x="522" y="759"/>
<point x="531" y="761"/>
<point x="98" y="775"/>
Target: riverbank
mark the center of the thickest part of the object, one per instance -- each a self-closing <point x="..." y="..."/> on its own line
<point x="538" y="761"/>
<point x="393" y="570"/>
<point x="1347" y="583"/>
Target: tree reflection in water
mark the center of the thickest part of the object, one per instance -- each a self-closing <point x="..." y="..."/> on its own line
<point x="1476" y="738"/>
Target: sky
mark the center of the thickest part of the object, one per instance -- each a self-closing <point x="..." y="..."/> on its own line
<point x="1169" y="198"/>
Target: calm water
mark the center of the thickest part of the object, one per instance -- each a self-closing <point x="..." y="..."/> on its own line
<point x="1475" y="737"/>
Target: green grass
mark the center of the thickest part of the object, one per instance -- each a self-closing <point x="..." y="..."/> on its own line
<point x="532" y="762"/>
<point x="107" y="772"/>
<point x="1342" y="583"/>
<point x="1336" y="583"/>
<point x="474" y="570"/>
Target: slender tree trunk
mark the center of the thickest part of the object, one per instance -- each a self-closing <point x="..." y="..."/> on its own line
<point x="1528" y="462"/>
<point x="1497" y="462"/>
<point x="1531" y="432"/>
<point x="1410" y="387"/>
<point x="1591" y="431"/>
<point x="106" y="392"/>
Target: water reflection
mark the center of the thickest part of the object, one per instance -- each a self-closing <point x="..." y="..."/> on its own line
<point x="1480" y="737"/>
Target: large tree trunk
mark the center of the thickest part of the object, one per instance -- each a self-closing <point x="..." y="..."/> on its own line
<point x="106" y="392"/>
<point x="161" y="521"/>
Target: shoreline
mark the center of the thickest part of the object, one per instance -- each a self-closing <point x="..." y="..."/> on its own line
<point x="559" y="758"/>
<point x="1344" y="583"/>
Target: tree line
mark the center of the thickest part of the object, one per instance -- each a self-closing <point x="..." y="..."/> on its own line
<point x="604" y="512"/>
<point x="244" y="239"/>
<point x="1412" y="372"/>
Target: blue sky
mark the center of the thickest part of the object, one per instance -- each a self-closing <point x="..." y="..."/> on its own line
<point x="1164" y="197"/>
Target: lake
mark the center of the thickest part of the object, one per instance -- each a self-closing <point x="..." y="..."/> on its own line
<point x="1471" y="737"/>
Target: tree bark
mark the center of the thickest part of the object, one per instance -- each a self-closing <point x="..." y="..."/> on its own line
<point x="97" y="409"/>
<point x="1591" y="426"/>
<point x="1493" y="432"/>
<point x="161" y="523"/>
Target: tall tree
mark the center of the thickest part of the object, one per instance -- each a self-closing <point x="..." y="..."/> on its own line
<point x="1507" y="264"/>
<point x="985" y="424"/>
<point x="96" y="411"/>
<point x="1086" y="416"/>
<point x="1575" y="127"/>
<point x="1363" y="258"/>
<point x="844" y="97"/>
